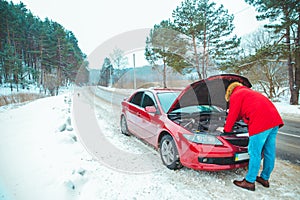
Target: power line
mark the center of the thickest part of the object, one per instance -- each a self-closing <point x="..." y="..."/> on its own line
<point x="244" y="9"/>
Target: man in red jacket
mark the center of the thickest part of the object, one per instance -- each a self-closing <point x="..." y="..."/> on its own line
<point x="263" y="121"/>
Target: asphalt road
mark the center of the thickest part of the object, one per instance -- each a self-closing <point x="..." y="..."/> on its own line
<point x="288" y="139"/>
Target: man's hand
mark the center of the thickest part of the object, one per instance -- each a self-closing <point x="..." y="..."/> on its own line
<point x="227" y="133"/>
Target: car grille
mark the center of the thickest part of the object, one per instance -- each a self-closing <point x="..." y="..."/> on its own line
<point x="220" y="161"/>
<point x="242" y="142"/>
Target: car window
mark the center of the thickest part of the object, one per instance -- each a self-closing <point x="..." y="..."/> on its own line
<point x="148" y="100"/>
<point x="166" y="99"/>
<point x="137" y="98"/>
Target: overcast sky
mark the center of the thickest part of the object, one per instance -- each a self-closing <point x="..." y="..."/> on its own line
<point x="96" y="21"/>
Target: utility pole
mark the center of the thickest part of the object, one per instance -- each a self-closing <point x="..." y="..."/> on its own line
<point x="134" y="79"/>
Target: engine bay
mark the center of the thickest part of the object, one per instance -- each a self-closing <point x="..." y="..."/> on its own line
<point x="211" y="122"/>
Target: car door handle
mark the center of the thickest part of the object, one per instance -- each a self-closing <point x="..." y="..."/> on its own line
<point x="138" y="114"/>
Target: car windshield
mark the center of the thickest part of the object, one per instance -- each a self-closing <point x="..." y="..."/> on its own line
<point x="166" y="99"/>
<point x="198" y="108"/>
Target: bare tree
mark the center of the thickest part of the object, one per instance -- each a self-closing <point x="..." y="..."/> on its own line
<point x="118" y="58"/>
<point x="263" y="63"/>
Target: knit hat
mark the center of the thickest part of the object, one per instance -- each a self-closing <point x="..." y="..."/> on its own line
<point x="230" y="89"/>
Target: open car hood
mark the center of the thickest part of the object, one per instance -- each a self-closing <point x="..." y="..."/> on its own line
<point x="209" y="91"/>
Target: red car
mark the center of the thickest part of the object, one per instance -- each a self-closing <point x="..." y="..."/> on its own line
<point x="186" y="126"/>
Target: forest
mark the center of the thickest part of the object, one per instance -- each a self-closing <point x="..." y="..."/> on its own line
<point x="37" y="52"/>
<point x="199" y="36"/>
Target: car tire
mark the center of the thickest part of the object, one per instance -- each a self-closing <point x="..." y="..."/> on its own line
<point x="123" y="125"/>
<point x="169" y="153"/>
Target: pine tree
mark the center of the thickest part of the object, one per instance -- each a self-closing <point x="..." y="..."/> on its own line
<point x="209" y="30"/>
<point x="284" y="18"/>
<point x="106" y="73"/>
<point x="166" y="47"/>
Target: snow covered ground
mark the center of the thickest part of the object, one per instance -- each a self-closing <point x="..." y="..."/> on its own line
<point x="42" y="157"/>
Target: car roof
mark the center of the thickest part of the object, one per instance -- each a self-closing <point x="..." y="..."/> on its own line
<point x="160" y="90"/>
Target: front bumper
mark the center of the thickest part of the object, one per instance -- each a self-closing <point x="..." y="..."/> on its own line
<point x="213" y="158"/>
<point x="215" y="164"/>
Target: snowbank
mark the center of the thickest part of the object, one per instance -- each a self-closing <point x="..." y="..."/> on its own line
<point x="288" y="111"/>
<point x="42" y="158"/>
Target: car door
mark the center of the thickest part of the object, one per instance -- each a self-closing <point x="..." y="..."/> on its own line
<point x="149" y="121"/>
<point x="133" y="113"/>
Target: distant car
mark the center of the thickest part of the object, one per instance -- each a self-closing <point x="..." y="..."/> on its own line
<point x="186" y="126"/>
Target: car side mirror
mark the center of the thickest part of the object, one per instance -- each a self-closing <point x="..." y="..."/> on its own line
<point x="150" y="109"/>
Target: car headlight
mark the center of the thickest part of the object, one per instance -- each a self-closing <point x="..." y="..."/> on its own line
<point x="203" y="139"/>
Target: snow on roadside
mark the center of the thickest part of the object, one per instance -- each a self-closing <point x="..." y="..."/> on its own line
<point x="288" y="111"/>
<point x="42" y="158"/>
<point x="6" y="90"/>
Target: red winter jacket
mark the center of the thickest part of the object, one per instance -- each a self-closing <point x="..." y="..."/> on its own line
<point x="255" y="109"/>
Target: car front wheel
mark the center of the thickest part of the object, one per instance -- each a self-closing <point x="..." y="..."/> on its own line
<point x="169" y="153"/>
